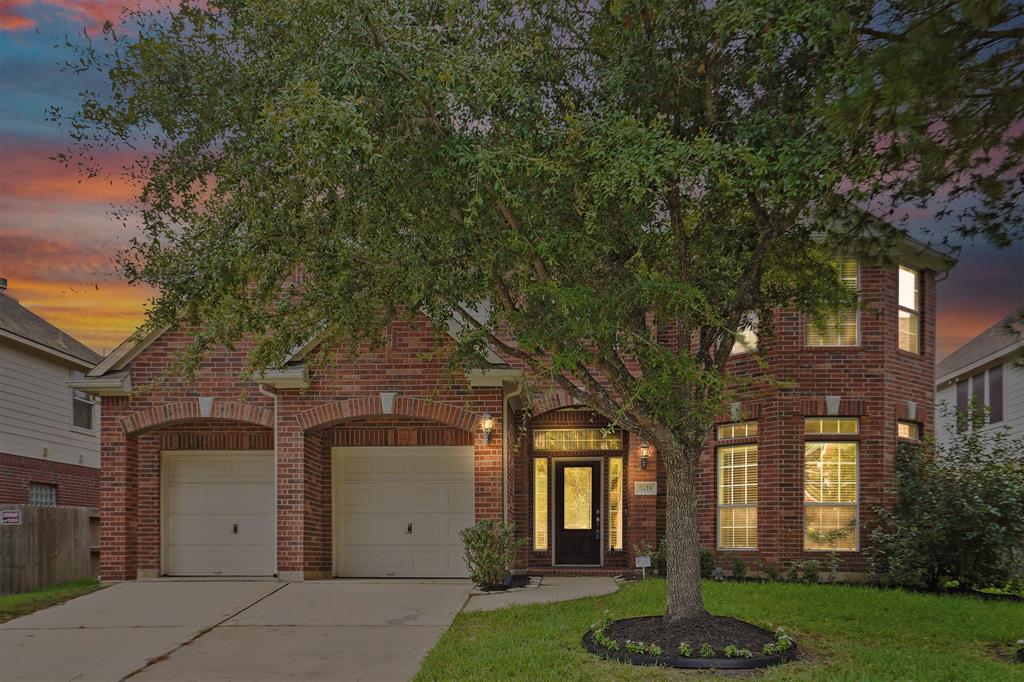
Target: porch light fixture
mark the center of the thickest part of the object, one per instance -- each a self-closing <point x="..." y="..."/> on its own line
<point x="645" y="454"/>
<point x="487" y="426"/>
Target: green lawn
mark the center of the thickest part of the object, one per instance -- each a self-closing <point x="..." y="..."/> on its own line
<point x="14" y="605"/>
<point x="844" y="633"/>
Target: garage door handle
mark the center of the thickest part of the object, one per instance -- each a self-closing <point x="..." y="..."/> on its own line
<point x="408" y="529"/>
<point x="235" y="529"/>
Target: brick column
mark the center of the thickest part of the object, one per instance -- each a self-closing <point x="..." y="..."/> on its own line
<point x="118" y="496"/>
<point x="291" y="497"/>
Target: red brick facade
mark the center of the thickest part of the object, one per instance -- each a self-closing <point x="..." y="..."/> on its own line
<point x="77" y="486"/>
<point x="343" y="405"/>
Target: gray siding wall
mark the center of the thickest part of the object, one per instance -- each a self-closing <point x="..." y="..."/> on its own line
<point x="35" y="410"/>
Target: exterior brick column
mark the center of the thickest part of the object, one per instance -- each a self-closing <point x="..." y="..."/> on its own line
<point x="291" y="498"/>
<point x="118" y="496"/>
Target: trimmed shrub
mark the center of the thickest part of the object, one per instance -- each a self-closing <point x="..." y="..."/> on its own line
<point x="707" y="564"/>
<point x="959" y="514"/>
<point x="739" y="567"/>
<point x="490" y="550"/>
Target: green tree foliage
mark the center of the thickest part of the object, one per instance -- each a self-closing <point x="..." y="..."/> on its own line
<point x="959" y="514"/>
<point x="601" y="191"/>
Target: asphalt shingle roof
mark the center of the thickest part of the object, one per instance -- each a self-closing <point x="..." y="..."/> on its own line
<point x="1002" y="334"/>
<point x="20" y="321"/>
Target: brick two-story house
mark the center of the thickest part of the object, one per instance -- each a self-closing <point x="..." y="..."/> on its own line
<point x="371" y="466"/>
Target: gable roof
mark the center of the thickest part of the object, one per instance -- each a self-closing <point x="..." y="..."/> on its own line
<point x="20" y="324"/>
<point x="998" y="341"/>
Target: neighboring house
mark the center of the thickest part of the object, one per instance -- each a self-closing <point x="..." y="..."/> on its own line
<point x="371" y="465"/>
<point x="988" y="371"/>
<point x="49" y="432"/>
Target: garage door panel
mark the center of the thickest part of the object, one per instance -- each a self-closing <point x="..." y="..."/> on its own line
<point x="380" y="491"/>
<point x="219" y="513"/>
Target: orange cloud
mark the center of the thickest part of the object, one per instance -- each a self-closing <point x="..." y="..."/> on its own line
<point x="31" y="173"/>
<point x="10" y="20"/>
<point x="101" y="316"/>
<point x="90" y="13"/>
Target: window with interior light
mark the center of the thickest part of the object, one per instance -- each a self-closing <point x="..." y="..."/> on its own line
<point x="831" y="483"/>
<point x="746" y="337"/>
<point x="908" y="430"/>
<point x="576" y="439"/>
<point x="737" y="430"/>
<point x="540" y="504"/>
<point x="840" y="328"/>
<point x="737" y="497"/>
<point x="615" y="503"/>
<point x="909" y="313"/>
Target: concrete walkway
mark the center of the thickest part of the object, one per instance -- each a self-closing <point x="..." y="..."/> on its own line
<point x="234" y="630"/>
<point x="552" y="589"/>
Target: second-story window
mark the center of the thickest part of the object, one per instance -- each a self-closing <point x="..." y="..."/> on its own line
<point x="842" y="328"/>
<point x="82" y="405"/>
<point x="746" y="337"/>
<point x="909" y="313"/>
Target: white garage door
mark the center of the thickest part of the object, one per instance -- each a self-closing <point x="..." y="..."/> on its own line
<point x="218" y="513"/>
<point x="398" y="511"/>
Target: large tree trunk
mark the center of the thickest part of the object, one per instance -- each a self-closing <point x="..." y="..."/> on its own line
<point x="682" y="537"/>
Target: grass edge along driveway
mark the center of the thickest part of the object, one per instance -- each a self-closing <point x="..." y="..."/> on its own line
<point x="21" y="604"/>
<point x="845" y="633"/>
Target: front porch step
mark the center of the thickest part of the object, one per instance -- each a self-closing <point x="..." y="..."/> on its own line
<point x="575" y="570"/>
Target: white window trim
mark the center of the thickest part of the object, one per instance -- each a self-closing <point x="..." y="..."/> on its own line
<point x="857" y="317"/>
<point x="855" y="504"/>
<point x="916" y="312"/>
<point x="718" y="496"/>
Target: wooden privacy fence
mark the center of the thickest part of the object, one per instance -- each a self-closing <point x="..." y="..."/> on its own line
<point x="46" y="546"/>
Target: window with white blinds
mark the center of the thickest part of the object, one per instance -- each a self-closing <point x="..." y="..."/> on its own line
<point x="840" y="328"/>
<point x="737" y="497"/>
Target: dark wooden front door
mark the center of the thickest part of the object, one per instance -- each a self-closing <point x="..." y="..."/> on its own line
<point x="578" y="513"/>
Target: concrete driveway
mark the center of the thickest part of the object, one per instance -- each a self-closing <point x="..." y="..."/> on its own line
<point x="234" y="630"/>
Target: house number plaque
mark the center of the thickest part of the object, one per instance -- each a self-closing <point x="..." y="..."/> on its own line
<point x="645" y="487"/>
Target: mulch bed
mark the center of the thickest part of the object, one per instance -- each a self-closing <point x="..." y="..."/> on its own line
<point x="717" y="631"/>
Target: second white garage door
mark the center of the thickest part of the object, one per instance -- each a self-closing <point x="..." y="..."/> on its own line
<point x="218" y="513"/>
<point x="398" y="510"/>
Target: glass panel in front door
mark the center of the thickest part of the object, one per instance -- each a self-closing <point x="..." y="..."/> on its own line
<point x="578" y="498"/>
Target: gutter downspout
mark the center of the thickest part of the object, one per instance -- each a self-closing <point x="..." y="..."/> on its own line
<point x="273" y="394"/>
<point x="504" y="446"/>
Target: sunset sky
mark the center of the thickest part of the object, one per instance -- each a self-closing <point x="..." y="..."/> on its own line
<point x="57" y="239"/>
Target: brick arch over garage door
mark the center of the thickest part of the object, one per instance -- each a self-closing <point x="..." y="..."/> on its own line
<point x="185" y="410"/>
<point x="372" y="406"/>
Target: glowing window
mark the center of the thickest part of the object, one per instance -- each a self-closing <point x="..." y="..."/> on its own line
<point x="737" y="497"/>
<point x="576" y="439"/>
<point x="540" y="504"/>
<point x="579" y="494"/>
<point x="841" y="328"/>
<point x="615" y="502"/>
<point x="830" y="495"/>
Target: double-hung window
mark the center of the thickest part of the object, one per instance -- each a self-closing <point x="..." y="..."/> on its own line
<point x="831" y="493"/>
<point x="909" y="313"/>
<point x="841" y="328"/>
<point x="746" y="337"/>
<point x="82" y="407"/>
<point x="737" y="497"/>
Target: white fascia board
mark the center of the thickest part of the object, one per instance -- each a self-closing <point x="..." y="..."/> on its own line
<point x="126" y="352"/>
<point x="978" y="365"/>
<point x="290" y="377"/>
<point x="115" y="384"/>
<point x="495" y="376"/>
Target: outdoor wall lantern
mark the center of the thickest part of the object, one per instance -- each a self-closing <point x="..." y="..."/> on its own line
<point x="487" y="426"/>
<point x="645" y="454"/>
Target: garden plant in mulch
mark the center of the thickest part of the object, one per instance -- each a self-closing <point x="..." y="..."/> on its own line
<point x="711" y="642"/>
